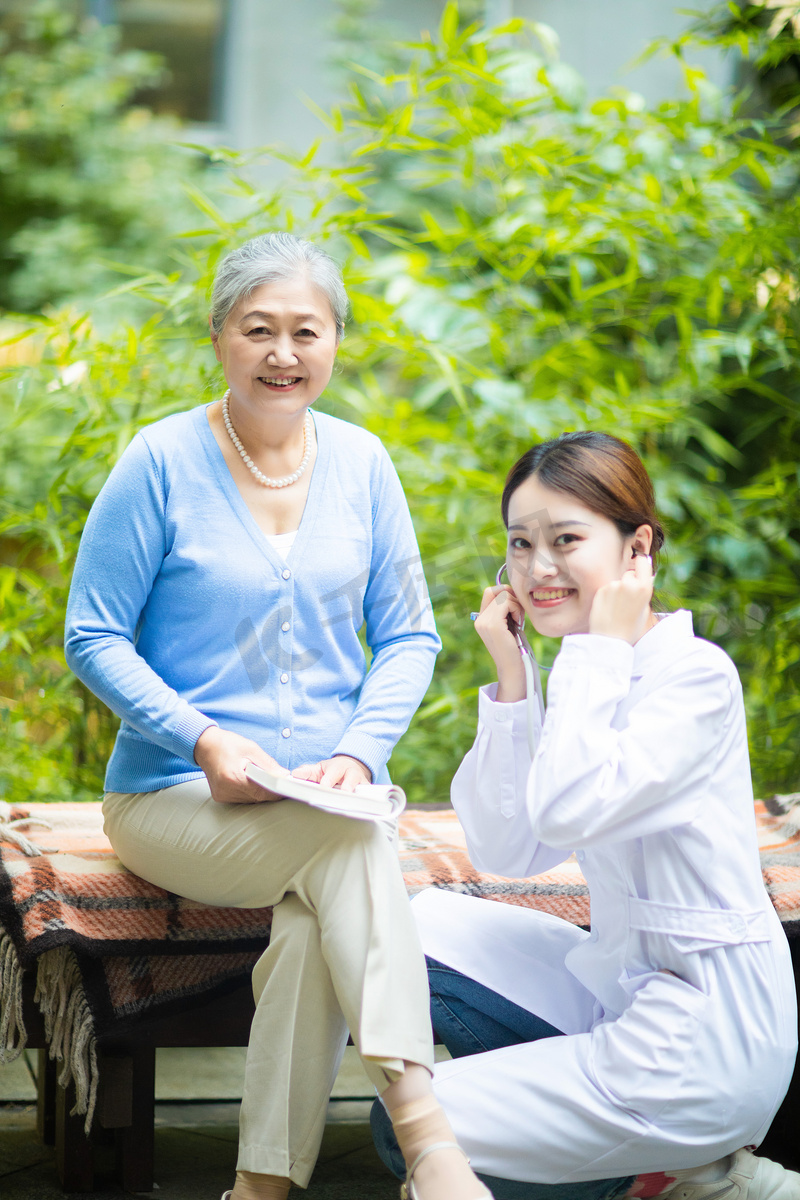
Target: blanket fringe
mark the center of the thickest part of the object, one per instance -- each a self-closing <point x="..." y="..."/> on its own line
<point x="69" y="1026"/>
<point x="13" y="1037"/>
<point x="9" y="832"/>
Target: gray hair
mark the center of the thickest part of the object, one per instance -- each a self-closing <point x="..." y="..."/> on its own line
<point x="267" y="259"/>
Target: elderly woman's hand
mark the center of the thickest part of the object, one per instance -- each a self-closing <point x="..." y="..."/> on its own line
<point x="222" y="755"/>
<point x="341" y="771"/>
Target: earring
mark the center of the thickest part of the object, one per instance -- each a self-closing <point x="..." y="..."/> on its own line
<point x="499" y="576"/>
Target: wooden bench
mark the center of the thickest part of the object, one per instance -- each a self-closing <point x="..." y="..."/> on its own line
<point x="126" y="1094"/>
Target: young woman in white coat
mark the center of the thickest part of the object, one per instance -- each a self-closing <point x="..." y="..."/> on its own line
<point x="642" y="1058"/>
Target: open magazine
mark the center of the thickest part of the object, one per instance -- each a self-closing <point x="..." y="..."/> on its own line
<point x="369" y="802"/>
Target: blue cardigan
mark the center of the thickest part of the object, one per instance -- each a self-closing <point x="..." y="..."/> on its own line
<point x="181" y="615"/>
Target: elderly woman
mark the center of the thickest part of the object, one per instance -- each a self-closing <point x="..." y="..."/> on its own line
<point x="225" y="571"/>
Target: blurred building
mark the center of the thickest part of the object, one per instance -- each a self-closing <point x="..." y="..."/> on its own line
<point x="189" y="36"/>
<point x="244" y="66"/>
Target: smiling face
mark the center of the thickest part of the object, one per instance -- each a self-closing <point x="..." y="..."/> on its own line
<point x="560" y="553"/>
<point x="278" y="346"/>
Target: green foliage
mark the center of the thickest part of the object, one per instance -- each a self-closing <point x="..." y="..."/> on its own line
<point x="520" y="262"/>
<point x="83" y="177"/>
<point x="767" y="37"/>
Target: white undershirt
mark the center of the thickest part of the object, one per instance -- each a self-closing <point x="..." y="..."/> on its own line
<point x="282" y="542"/>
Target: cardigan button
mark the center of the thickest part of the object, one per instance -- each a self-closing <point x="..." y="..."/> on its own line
<point x="286" y="573"/>
<point x="286" y="627"/>
<point x="286" y="733"/>
<point x="284" y="678"/>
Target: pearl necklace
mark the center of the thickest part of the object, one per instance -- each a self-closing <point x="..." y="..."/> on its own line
<point x="285" y="480"/>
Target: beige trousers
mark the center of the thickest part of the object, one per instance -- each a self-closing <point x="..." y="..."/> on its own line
<point x="344" y="951"/>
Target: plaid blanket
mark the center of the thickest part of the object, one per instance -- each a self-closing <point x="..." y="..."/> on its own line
<point x="110" y="949"/>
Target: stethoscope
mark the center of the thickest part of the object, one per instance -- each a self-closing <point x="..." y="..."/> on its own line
<point x="533" y="681"/>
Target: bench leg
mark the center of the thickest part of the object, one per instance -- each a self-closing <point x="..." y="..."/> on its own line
<point x="135" y="1141"/>
<point x="46" y="1071"/>
<point x="73" y="1148"/>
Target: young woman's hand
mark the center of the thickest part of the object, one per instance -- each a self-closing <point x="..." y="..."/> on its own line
<point x="341" y="771"/>
<point x="622" y="609"/>
<point x="221" y="756"/>
<point x="498" y="604"/>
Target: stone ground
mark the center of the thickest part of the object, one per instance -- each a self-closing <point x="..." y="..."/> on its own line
<point x="196" y="1131"/>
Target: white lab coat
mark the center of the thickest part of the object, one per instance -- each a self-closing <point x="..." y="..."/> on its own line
<point x="641" y="768"/>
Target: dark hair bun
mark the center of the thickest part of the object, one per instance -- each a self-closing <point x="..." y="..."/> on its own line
<point x="599" y="470"/>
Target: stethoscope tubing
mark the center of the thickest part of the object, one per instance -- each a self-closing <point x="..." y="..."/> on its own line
<point x="533" y="681"/>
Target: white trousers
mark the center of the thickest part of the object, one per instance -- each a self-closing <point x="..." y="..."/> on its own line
<point x="344" y="951"/>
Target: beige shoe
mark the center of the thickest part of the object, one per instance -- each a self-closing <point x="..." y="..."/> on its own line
<point x="408" y="1190"/>
<point x="748" y="1178"/>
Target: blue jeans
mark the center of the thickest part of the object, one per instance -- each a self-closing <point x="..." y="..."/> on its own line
<point x="469" y="1019"/>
